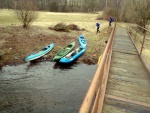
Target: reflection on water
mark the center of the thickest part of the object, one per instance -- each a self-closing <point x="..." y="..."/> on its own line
<point x="63" y="67"/>
<point x="44" y="87"/>
<point x="0" y="69"/>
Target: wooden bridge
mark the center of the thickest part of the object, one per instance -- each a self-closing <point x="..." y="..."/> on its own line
<point x="121" y="83"/>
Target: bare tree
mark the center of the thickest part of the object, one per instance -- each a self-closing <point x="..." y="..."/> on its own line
<point x="137" y="11"/>
<point x="142" y="10"/>
<point x="26" y="12"/>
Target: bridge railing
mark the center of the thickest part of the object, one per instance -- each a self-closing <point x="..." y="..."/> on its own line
<point x="93" y="101"/>
<point x="141" y="39"/>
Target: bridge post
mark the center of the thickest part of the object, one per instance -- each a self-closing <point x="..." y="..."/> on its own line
<point x="143" y="42"/>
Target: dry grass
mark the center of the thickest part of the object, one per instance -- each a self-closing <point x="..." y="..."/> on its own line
<point x="16" y="43"/>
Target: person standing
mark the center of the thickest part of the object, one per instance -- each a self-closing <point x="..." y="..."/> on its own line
<point x="98" y="26"/>
<point x="110" y="20"/>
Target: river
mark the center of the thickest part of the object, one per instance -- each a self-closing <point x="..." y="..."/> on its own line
<point x="44" y="87"/>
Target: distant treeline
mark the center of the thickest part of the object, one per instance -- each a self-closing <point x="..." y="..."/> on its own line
<point x="63" y="5"/>
<point x="137" y="11"/>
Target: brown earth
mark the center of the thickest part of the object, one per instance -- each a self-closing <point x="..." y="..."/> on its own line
<point x="17" y="43"/>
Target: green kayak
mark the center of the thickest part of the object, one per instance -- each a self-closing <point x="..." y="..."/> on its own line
<point x="64" y="51"/>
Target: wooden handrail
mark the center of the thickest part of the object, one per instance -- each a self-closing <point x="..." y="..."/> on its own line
<point x="140" y="26"/>
<point x="97" y="79"/>
<point x="140" y="50"/>
<point x="144" y="36"/>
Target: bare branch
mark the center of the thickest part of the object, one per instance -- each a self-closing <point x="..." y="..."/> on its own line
<point x="26" y="12"/>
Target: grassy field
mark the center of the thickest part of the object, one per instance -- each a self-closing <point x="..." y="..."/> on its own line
<point x="16" y="43"/>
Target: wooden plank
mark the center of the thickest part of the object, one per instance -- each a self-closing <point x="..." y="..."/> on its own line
<point x="124" y="56"/>
<point x="124" y="46"/>
<point x="128" y="101"/>
<point x="127" y="61"/>
<point x="129" y="86"/>
<point x="128" y="72"/>
<point x="117" y="106"/>
<point x="125" y="51"/>
<point x="129" y="81"/>
<point x="122" y="42"/>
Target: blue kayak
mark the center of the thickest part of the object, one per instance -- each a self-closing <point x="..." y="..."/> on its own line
<point x="82" y="41"/>
<point x="72" y="56"/>
<point x="40" y="53"/>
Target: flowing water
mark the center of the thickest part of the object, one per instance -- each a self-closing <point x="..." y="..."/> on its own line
<point x="44" y="87"/>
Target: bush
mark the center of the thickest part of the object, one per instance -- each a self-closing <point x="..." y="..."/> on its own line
<point x="110" y="11"/>
<point x="26" y="12"/>
<point x="73" y="27"/>
<point x="1" y="54"/>
<point x="61" y="27"/>
<point x="100" y="17"/>
<point x="64" y="28"/>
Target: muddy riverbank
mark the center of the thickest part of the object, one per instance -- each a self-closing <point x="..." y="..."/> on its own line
<point x="17" y="43"/>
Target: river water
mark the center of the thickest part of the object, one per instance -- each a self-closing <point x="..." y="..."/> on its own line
<point x="44" y="87"/>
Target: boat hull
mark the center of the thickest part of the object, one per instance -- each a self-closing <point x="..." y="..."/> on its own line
<point x="82" y="41"/>
<point x="72" y="56"/>
<point x="64" y="51"/>
<point x="40" y="53"/>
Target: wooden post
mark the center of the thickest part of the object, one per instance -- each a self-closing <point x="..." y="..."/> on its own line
<point x="143" y="42"/>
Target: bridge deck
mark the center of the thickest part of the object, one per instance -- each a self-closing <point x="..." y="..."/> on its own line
<point x="128" y="87"/>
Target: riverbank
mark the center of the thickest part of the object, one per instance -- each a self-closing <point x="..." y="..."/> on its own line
<point x="17" y="43"/>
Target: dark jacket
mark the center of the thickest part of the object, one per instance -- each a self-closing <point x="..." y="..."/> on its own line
<point x="111" y="19"/>
<point x="98" y="25"/>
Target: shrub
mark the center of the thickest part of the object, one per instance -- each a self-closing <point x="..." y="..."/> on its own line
<point x="1" y="54"/>
<point x="100" y="17"/>
<point x="61" y="27"/>
<point x="73" y="27"/>
<point x="26" y="12"/>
